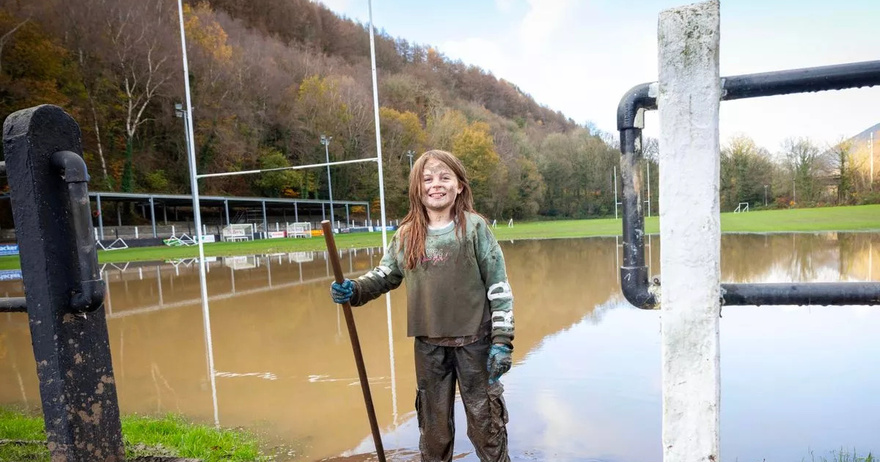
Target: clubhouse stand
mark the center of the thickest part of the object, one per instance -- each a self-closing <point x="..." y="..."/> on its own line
<point x="156" y="218"/>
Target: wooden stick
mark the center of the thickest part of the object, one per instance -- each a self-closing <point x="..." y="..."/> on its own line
<point x="355" y="343"/>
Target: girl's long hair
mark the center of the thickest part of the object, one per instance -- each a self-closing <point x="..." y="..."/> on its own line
<point x="414" y="227"/>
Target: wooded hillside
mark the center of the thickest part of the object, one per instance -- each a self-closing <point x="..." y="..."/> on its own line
<point x="269" y="77"/>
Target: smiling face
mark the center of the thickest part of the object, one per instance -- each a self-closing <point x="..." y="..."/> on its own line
<point x="440" y="187"/>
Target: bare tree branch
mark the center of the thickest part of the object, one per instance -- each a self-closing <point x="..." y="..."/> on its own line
<point x="6" y="37"/>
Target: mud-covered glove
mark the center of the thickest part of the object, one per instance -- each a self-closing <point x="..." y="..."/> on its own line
<point x="499" y="362"/>
<point x="342" y="293"/>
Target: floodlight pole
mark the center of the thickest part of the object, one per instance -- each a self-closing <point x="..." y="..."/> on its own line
<point x="765" y="195"/>
<point x="179" y="112"/>
<point x="325" y="140"/>
<point x="197" y="215"/>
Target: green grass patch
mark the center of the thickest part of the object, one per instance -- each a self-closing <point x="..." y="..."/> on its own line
<point x="856" y="218"/>
<point x="19" y="426"/>
<point x="169" y="436"/>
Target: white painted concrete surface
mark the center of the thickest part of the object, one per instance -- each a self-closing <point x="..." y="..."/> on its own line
<point x="688" y="103"/>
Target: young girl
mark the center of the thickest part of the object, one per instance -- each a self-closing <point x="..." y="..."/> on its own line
<point x="459" y="308"/>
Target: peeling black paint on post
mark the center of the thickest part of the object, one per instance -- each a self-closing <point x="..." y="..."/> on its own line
<point x="71" y="346"/>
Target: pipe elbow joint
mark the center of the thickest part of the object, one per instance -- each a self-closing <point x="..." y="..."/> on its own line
<point x="636" y="99"/>
<point x="636" y="289"/>
<point x="73" y="165"/>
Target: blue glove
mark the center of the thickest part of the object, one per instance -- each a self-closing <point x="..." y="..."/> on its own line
<point x="342" y="293"/>
<point x="499" y="362"/>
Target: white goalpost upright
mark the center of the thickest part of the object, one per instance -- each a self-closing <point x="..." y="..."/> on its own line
<point x="197" y="216"/>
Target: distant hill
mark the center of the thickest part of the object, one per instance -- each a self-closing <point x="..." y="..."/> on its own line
<point x="865" y="136"/>
<point x="268" y="78"/>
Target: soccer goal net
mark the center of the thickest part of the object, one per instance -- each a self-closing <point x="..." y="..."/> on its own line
<point x="299" y="229"/>
<point x="237" y="232"/>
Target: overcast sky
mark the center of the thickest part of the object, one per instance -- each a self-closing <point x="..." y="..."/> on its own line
<point x="580" y="57"/>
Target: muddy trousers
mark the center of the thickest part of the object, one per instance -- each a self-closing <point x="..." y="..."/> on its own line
<point x="438" y="368"/>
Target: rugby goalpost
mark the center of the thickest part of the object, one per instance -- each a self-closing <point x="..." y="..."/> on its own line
<point x="197" y="215"/>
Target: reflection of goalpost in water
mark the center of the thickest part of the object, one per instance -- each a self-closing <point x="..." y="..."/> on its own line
<point x="194" y="186"/>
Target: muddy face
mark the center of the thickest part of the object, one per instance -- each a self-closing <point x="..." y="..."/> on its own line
<point x="440" y="186"/>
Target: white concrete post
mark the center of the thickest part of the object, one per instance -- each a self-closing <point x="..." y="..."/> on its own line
<point x="688" y="102"/>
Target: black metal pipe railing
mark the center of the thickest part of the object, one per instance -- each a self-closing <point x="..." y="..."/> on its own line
<point x="630" y="121"/>
<point x="89" y="295"/>
<point x="13" y="305"/>
<point x="813" y="293"/>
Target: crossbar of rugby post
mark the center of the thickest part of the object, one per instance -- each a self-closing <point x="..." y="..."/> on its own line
<point x="297" y="167"/>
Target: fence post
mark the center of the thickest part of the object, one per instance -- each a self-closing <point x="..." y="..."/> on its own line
<point x="688" y="100"/>
<point x="64" y="293"/>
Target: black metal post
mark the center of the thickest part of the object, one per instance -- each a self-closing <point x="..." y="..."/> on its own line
<point x="630" y="121"/>
<point x="63" y="290"/>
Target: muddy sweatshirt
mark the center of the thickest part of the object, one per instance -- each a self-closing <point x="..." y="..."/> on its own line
<point x="456" y="287"/>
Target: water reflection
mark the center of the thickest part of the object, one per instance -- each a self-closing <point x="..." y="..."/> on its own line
<point x="586" y="383"/>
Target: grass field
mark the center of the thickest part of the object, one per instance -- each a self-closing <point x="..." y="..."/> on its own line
<point x="856" y="218"/>
<point x="169" y="436"/>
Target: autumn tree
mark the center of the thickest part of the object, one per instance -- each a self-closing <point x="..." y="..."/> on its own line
<point x="577" y="168"/>
<point x="34" y="68"/>
<point x="845" y="169"/>
<point x="474" y="146"/>
<point x="806" y="165"/>
<point x="402" y="134"/>
<point x="745" y="169"/>
<point x="279" y="182"/>
<point x="141" y="34"/>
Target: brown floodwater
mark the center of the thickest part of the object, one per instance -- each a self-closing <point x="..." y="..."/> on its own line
<point x="586" y="380"/>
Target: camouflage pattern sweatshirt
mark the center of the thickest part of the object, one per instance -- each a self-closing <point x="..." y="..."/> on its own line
<point x="458" y="285"/>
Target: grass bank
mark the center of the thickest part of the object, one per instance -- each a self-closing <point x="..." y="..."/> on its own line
<point x="169" y="436"/>
<point x="856" y="218"/>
